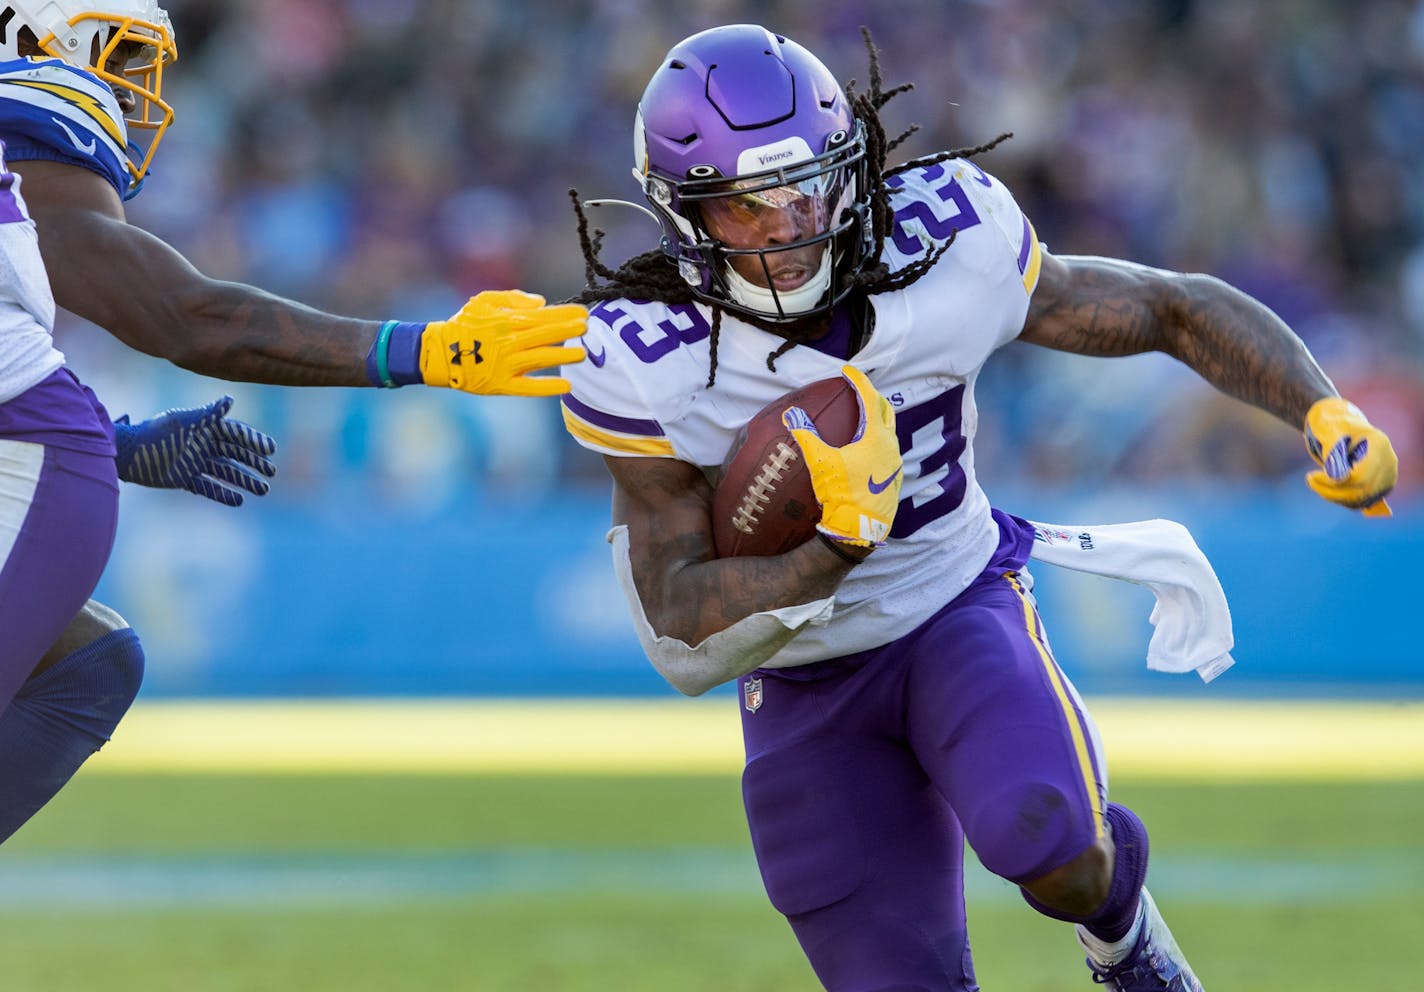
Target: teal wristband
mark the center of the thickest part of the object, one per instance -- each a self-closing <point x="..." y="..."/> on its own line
<point x="383" y="348"/>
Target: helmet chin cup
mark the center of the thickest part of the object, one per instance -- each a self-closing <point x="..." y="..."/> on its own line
<point x="781" y="303"/>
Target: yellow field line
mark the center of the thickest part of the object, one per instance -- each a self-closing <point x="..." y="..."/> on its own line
<point x="1222" y="741"/>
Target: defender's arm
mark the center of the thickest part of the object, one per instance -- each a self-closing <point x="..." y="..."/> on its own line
<point x="149" y="296"/>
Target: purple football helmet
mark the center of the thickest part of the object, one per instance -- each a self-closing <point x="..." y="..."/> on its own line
<point x="747" y="149"/>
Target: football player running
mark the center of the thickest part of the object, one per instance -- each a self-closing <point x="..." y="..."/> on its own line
<point x="898" y="687"/>
<point x="79" y="80"/>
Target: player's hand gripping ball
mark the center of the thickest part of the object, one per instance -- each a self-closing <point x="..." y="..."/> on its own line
<point x="766" y="501"/>
<point x="497" y="339"/>
<point x="857" y="483"/>
<point x="1358" y="466"/>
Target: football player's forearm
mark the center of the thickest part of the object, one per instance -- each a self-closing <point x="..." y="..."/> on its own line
<point x="236" y="332"/>
<point x="702" y="598"/>
<point x="1108" y="307"/>
<point x="145" y="293"/>
<point x="1238" y="345"/>
<point x="685" y="590"/>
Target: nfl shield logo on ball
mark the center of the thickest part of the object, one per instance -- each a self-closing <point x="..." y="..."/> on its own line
<point x="751" y="694"/>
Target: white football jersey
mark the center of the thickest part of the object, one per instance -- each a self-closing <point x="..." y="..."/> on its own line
<point x="643" y="392"/>
<point x="27" y="351"/>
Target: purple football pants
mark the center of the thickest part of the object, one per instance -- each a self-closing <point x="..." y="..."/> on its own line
<point x="58" y="511"/>
<point x="866" y="773"/>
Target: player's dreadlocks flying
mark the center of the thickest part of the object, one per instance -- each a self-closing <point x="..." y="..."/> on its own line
<point x="657" y="275"/>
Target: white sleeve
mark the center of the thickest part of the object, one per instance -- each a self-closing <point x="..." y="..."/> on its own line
<point x="605" y="410"/>
<point x="1000" y="212"/>
<point x="728" y="654"/>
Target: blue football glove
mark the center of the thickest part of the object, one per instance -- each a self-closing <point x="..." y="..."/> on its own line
<point x="199" y="450"/>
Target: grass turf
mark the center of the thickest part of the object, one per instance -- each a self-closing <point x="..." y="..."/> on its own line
<point x="638" y="934"/>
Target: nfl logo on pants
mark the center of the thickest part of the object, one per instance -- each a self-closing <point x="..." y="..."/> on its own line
<point x="751" y="694"/>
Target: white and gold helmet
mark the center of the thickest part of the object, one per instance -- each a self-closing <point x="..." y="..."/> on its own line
<point x="92" y="34"/>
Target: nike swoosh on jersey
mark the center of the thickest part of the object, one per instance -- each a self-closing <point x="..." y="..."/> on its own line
<point x="597" y="358"/>
<point x="74" y="138"/>
<point x="879" y="487"/>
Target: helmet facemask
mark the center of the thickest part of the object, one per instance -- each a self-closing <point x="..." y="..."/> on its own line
<point x="126" y="44"/>
<point x="772" y="243"/>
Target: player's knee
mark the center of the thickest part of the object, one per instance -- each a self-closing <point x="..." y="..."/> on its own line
<point x="1029" y="829"/>
<point x="122" y="660"/>
<point x="93" y="621"/>
<point x="1078" y="888"/>
<point x="96" y="681"/>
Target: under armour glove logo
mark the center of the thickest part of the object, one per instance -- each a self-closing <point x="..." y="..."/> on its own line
<point x="456" y="352"/>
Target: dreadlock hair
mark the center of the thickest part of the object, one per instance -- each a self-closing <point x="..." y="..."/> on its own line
<point x="653" y="275"/>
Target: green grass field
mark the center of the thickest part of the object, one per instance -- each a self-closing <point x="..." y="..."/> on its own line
<point x="546" y="881"/>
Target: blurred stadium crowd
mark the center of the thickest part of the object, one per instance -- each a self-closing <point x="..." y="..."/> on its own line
<point x="387" y="158"/>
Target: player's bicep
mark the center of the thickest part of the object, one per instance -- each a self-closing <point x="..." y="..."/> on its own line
<point x="100" y="266"/>
<point x="1098" y="306"/>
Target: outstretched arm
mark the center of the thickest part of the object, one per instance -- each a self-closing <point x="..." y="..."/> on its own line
<point x="1108" y="307"/>
<point x="149" y="296"/>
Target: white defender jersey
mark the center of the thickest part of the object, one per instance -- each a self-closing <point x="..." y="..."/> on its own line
<point x="52" y="111"/>
<point x="27" y="351"/>
<point x="643" y="393"/>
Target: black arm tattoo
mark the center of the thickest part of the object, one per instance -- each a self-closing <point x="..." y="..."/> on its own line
<point x="244" y="334"/>
<point x="688" y="592"/>
<point x="1106" y="307"/>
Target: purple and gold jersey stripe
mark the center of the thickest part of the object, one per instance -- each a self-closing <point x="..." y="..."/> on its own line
<point x="1030" y="257"/>
<point x="616" y="435"/>
<point x="1081" y="740"/>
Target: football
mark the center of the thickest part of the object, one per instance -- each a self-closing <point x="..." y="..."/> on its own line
<point x="764" y="503"/>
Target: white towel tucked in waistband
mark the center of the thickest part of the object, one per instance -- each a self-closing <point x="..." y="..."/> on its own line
<point x="1192" y="620"/>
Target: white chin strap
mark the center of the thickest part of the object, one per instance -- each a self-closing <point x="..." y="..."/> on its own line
<point x="763" y="299"/>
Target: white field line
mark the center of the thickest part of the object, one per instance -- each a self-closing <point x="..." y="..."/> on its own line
<point x="72" y="883"/>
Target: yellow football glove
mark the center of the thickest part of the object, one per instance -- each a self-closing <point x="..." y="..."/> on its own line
<point x="1357" y="463"/>
<point x="858" y="484"/>
<point x="498" y="337"/>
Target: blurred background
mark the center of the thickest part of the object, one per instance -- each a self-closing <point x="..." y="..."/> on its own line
<point x="388" y="159"/>
<point x="335" y="777"/>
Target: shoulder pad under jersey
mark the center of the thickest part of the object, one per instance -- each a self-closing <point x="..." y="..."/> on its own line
<point x="957" y="199"/>
<point x="645" y="362"/>
<point x="52" y="111"/>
